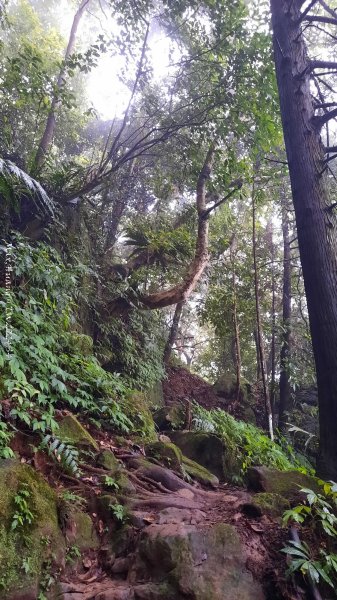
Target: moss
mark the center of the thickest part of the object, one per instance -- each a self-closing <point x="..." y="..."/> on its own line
<point x="85" y="536"/>
<point x="170" y="417"/>
<point x="273" y="505"/>
<point x="26" y="548"/>
<point x="80" y="343"/>
<point x="205" y="449"/>
<point x="167" y="453"/>
<point x="124" y="484"/>
<point x="285" y="483"/>
<point x="137" y="409"/>
<point x="199" y="473"/>
<point x="108" y="461"/>
<point x="71" y="430"/>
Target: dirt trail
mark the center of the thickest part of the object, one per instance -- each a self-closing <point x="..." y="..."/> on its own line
<point x="98" y="577"/>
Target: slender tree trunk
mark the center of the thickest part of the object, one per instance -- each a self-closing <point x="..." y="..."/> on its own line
<point x="273" y="324"/>
<point x="258" y="366"/>
<point x="316" y="223"/>
<point x="237" y="346"/>
<point x="284" y="385"/>
<point x="48" y="134"/>
<point x="173" y="332"/>
<point x="262" y="361"/>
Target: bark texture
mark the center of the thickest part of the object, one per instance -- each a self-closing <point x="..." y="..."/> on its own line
<point x="173" y="332"/>
<point x="316" y="225"/>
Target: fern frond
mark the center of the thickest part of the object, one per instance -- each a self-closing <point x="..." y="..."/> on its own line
<point x="11" y="173"/>
<point x="63" y="452"/>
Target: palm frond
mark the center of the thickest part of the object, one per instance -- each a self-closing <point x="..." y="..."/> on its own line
<point x="12" y="174"/>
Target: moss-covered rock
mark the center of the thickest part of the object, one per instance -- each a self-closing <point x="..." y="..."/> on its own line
<point x="83" y="534"/>
<point x="170" y="417"/>
<point x="107" y="460"/>
<point x="272" y="505"/>
<point x="167" y="453"/>
<point x="285" y="483"/>
<point x="199" y="473"/>
<point x="136" y="407"/>
<point x="71" y="430"/>
<point x="205" y="449"/>
<point x="25" y="549"/>
<point x="203" y="565"/>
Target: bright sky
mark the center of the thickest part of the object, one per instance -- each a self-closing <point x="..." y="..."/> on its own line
<point x="105" y="90"/>
<point x="107" y="94"/>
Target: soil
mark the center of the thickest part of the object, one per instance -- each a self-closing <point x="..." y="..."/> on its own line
<point x="181" y="385"/>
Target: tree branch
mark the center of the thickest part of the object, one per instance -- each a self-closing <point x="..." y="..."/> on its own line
<point x="318" y="19"/>
<point x="320" y="121"/>
<point x="208" y="211"/>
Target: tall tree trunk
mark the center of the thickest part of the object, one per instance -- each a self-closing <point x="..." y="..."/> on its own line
<point x="284" y="384"/>
<point x="270" y="240"/>
<point x="237" y="346"/>
<point x="316" y="224"/>
<point x="258" y="366"/>
<point x="262" y="361"/>
<point x="173" y="332"/>
<point x="47" y="136"/>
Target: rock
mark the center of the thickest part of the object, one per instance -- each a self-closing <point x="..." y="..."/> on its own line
<point x="121" y="565"/>
<point x="283" y="483"/>
<point x="33" y="543"/>
<point x="167" y="453"/>
<point x="71" y="430"/>
<point x="272" y="505"/>
<point x="170" y="417"/>
<point x="225" y="387"/>
<point x="199" y="473"/>
<point x="152" y="591"/>
<point x="206" y="449"/>
<point x="136" y="407"/>
<point x="82" y="534"/>
<point x="160" y="474"/>
<point x="180" y="515"/>
<point x="116" y="593"/>
<point x="196" y="564"/>
<point x="107" y="460"/>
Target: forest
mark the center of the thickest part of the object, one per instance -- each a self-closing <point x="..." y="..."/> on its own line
<point x="168" y="300"/>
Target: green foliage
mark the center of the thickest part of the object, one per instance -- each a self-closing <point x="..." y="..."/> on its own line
<point x="137" y="348"/>
<point x="318" y="512"/>
<point x="40" y="370"/>
<point x="245" y="443"/>
<point x="119" y="511"/>
<point x="23" y="516"/>
<point x="110" y="482"/>
<point x="63" y="452"/>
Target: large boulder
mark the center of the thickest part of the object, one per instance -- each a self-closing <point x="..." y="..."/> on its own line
<point x="169" y="455"/>
<point x="178" y="561"/>
<point x="35" y="540"/>
<point x="285" y="483"/>
<point x="206" y="449"/>
<point x="70" y="430"/>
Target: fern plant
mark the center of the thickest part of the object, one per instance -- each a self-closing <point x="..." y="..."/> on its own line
<point x="14" y="181"/>
<point x="63" y="452"/>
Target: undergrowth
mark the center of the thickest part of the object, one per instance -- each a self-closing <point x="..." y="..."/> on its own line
<point x="41" y="367"/>
<point x="245" y="444"/>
